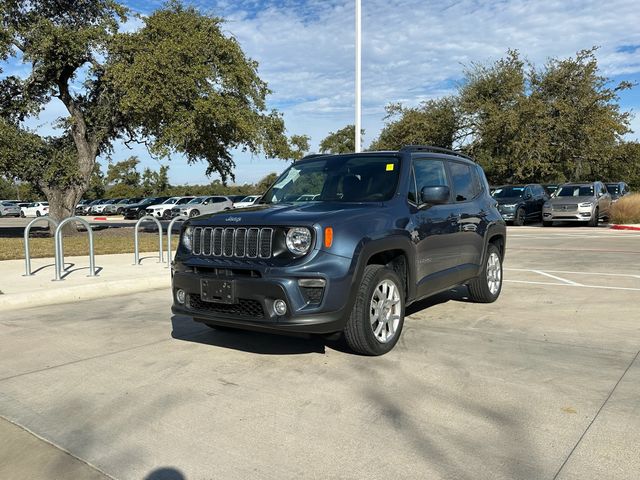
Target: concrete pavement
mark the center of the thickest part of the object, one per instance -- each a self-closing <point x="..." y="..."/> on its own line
<point x="116" y="276"/>
<point x="542" y="384"/>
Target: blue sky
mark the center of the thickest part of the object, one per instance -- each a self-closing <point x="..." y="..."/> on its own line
<point x="412" y="50"/>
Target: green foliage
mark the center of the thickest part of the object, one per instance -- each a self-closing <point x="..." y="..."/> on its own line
<point x="124" y="172"/>
<point x="185" y="86"/>
<point x="433" y="122"/>
<point x="340" y="141"/>
<point x="179" y="84"/>
<point x="299" y="146"/>
<point x="155" y="183"/>
<point x="556" y="123"/>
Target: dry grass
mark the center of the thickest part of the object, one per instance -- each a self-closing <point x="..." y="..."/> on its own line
<point x="105" y="242"/>
<point x="627" y="209"/>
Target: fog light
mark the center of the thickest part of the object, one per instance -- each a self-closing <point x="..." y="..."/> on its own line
<point x="280" y="307"/>
<point x="181" y="296"/>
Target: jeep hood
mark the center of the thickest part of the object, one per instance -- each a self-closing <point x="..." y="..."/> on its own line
<point x="286" y="214"/>
<point x="508" y="200"/>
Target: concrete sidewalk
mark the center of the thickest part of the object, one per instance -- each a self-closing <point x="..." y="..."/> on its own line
<point x="117" y="275"/>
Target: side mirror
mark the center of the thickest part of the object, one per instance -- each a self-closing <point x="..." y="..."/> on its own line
<point x="527" y="196"/>
<point x="434" y="194"/>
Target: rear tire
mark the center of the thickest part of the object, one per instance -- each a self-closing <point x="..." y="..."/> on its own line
<point x="377" y="317"/>
<point x="595" y="219"/>
<point x="487" y="286"/>
<point x="519" y="218"/>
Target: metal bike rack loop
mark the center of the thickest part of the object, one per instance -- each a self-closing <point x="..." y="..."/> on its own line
<point x="60" y="247"/>
<point x="27" y="252"/>
<point x="135" y="238"/>
<point x="181" y="218"/>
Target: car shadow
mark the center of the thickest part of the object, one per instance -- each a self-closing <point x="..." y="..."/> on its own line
<point x="185" y="329"/>
<point x="457" y="294"/>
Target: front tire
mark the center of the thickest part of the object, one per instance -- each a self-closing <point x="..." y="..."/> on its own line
<point x="377" y="317"/>
<point x="519" y="219"/>
<point x="166" y="215"/>
<point x="37" y="213"/>
<point x="194" y="213"/>
<point x="487" y="286"/>
<point x="141" y="214"/>
<point x="595" y="219"/>
<point x="22" y="214"/>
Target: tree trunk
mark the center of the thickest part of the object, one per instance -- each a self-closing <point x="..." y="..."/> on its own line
<point x="62" y="204"/>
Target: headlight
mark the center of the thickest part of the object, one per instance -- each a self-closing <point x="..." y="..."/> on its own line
<point x="187" y="235"/>
<point x="299" y="240"/>
<point x="586" y="204"/>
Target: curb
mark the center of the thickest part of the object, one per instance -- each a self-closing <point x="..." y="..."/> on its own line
<point x="39" y="298"/>
<point x="625" y="227"/>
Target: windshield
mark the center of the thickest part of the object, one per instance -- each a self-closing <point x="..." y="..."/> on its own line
<point x="574" y="191"/>
<point x="507" y="192"/>
<point x="337" y="179"/>
<point x="613" y="188"/>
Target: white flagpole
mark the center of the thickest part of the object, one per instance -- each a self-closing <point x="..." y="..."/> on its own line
<point x="358" y="73"/>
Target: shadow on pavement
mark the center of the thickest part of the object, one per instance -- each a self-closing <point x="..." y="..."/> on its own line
<point x="184" y="328"/>
<point x="165" y="473"/>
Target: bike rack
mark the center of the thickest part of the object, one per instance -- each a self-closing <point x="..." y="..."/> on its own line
<point x="27" y="253"/>
<point x="135" y="238"/>
<point x="181" y="218"/>
<point x="60" y="248"/>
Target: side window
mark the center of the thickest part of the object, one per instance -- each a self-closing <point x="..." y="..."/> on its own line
<point x="464" y="185"/>
<point x="429" y="173"/>
<point x="527" y="192"/>
<point x="413" y="194"/>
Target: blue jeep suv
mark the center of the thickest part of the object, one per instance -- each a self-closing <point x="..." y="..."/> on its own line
<point x="343" y="243"/>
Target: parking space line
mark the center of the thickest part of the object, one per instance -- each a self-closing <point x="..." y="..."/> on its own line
<point x="569" y="282"/>
<point x="578" y="285"/>
<point x="628" y="275"/>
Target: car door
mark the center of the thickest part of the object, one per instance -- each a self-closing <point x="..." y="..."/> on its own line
<point x="472" y="222"/>
<point x="432" y="227"/>
<point x="605" y="199"/>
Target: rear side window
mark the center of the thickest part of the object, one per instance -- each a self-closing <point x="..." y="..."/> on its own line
<point x="466" y="185"/>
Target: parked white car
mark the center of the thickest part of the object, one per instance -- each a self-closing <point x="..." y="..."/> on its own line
<point x="102" y="207"/>
<point x="247" y="201"/>
<point x="9" y="209"/>
<point x="163" y="210"/>
<point x="35" y="209"/>
<point x="203" y="205"/>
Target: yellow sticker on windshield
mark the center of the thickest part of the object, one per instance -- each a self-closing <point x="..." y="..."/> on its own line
<point x="389" y="167"/>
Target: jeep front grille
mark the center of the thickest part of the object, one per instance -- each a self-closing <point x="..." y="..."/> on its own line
<point x="238" y="242"/>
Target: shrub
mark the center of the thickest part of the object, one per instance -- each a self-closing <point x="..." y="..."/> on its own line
<point x="627" y="209"/>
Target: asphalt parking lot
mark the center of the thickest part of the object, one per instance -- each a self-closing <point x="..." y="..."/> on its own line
<point x="542" y="384"/>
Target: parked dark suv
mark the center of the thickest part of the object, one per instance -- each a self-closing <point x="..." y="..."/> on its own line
<point x="520" y="203"/>
<point x="382" y="230"/>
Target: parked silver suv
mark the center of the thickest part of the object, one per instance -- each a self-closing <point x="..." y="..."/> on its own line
<point x="577" y="202"/>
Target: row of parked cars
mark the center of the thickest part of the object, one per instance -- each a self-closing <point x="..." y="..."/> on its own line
<point x="16" y="208"/>
<point x="587" y="202"/>
<point x="165" y="207"/>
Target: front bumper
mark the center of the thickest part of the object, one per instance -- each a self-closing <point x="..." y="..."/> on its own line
<point x="254" y="297"/>
<point x="567" y="216"/>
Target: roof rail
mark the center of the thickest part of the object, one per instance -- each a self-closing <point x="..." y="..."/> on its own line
<point x="313" y="155"/>
<point x="429" y="148"/>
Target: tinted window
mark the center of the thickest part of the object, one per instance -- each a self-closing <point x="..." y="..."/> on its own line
<point x="574" y="191"/>
<point x="429" y="173"/>
<point x="465" y="186"/>
<point x="413" y="194"/>
<point x="217" y="199"/>
<point x="508" y="192"/>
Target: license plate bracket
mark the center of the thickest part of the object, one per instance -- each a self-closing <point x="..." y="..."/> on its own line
<point x="218" y="291"/>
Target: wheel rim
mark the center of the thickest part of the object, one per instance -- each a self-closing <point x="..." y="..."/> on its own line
<point x="494" y="273"/>
<point x="384" y="311"/>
